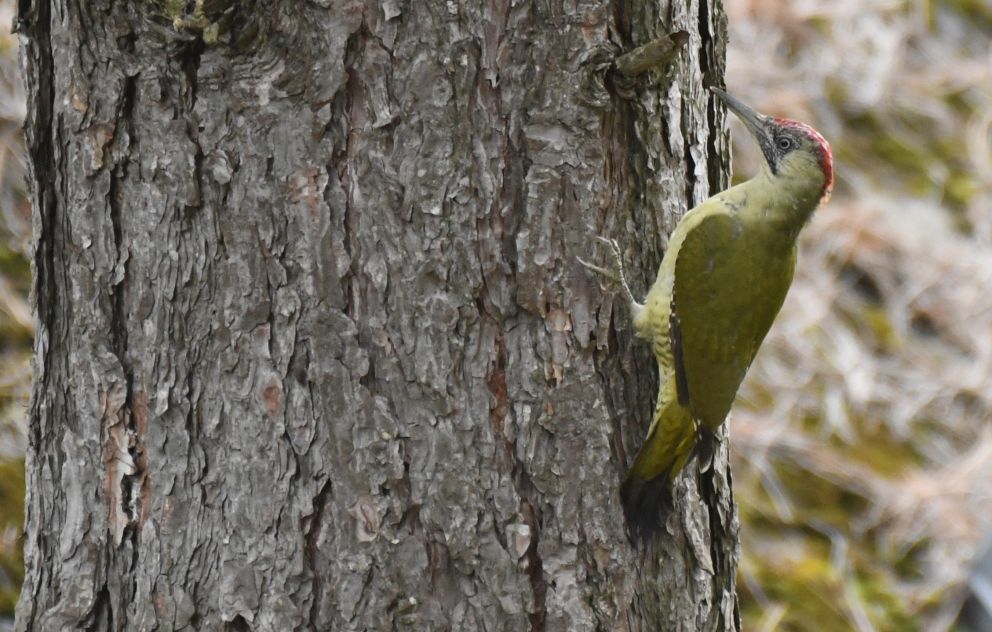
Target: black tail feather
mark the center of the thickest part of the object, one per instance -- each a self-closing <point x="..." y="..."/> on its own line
<point x="646" y="505"/>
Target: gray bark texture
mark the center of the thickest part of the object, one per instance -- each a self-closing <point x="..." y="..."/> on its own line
<point x="313" y="348"/>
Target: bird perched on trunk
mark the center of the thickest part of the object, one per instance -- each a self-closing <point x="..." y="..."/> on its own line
<point x="722" y="281"/>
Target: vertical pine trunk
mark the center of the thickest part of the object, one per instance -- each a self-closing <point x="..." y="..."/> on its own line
<point x="313" y="348"/>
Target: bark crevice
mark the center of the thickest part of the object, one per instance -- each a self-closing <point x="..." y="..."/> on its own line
<point x="311" y="527"/>
<point x="523" y="485"/>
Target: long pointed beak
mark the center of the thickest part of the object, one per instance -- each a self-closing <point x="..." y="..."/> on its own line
<point x="754" y="121"/>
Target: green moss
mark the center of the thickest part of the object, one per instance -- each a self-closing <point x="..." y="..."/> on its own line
<point x="804" y="580"/>
<point x="876" y="317"/>
<point x="174" y="8"/>
<point x="818" y="499"/>
<point x="901" y="155"/>
<point x="906" y="562"/>
<point x="907" y="147"/>
<point x="960" y="188"/>
<point x="884" y="608"/>
<point x="801" y="576"/>
<point x="13" y="332"/>
<point x="14" y="267"/>
<point x="812" y="589"/>
<point x="16" y="272"/>
<point x="876" y="447"/>
<point x="208" y="18"/>
<point x="11" y="522"/>
<point x="12" y="493"/>
<point x="978" y="11"/>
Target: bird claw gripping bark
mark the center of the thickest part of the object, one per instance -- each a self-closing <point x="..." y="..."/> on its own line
<point x="617" y="274"/>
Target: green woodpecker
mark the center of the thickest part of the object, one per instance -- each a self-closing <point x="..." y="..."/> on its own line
<point x="723" y="278"/>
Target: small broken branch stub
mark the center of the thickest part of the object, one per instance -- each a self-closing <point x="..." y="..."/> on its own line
<point x="651" y="55"/>
<point x="606" y="73"/>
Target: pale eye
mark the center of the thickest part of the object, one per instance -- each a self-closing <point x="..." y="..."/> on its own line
<point x="785" y="143"/>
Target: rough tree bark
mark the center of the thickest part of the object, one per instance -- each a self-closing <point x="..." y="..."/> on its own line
<point x="313" y="349"/>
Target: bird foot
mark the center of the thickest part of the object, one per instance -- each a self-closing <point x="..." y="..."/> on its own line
<point x="705" y="448"/>
<point x="616" y="275"/>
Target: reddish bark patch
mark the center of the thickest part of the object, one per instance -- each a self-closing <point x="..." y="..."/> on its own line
<point x="496" y="381"/>
<point x="306" y="186"/>
<point x="272" y="398"/>
<point x="139" y="412"/>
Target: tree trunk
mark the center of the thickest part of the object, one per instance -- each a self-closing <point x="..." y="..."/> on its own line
<point x="313" y="348"/>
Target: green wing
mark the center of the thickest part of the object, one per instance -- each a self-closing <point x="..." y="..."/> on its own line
<point x="729" y="286"/>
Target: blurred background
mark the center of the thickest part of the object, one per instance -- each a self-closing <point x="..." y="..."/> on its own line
<point x="862" y="437"/>
<point x="15" y="317"/>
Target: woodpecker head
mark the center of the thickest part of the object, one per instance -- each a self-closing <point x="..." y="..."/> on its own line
<point x="795" y="152"/>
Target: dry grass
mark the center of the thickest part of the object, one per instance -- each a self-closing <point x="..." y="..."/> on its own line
<point x="15" y="316"/>
<point x="15" y="231"/>
<point x="863" y="440"/>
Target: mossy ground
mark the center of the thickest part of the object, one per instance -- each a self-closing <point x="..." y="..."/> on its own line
<point x="862" y="443"/>
<point x="15" y="318"/>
